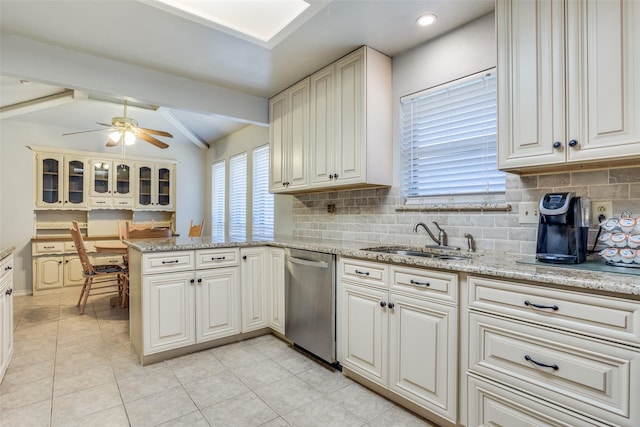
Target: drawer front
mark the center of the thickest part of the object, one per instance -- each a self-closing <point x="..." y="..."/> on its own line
<point x="71" y="247"/>
<point x="107" y="259"/>
<point x="425" y="283"/>
<point x="592" y="377"/>
<point x="606" y="317"/>
<point x="491" y="404"/>
<point x="124" y="203"/>
<point x="212" y="258"/>
<point x="40" y="248"/>
<point x="162" y="262"/>
<point x="101" y="202"/>
<point x="369" y="273"/>
<point x="6" y="267"/>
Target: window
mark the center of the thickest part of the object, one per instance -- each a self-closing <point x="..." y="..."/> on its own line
<point x="238" y="197"/>
<point x="448" y="137"/>
<point x="262" y="224"/>
<point x="218" y="200"/>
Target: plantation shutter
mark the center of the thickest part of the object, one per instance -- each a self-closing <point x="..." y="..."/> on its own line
<point x="238" y="197"/>
<point x="218" y="200"/>
<point x="262" y="223"/>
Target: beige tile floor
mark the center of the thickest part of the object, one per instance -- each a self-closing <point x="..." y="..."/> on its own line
<point x="72" y="370"/>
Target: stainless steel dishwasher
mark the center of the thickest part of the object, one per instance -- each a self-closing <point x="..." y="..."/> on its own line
<point x="310" y="302"/>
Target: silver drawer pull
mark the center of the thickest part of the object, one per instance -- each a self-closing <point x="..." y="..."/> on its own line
<point x="546" y="307"/>
<point x="363" y="273"/>
<point x="220" y="258"/>
<point x="544" y="365"/>
<point x="414" y="282"/>
<point x="171" y="262"/>
<point x="49" y="247"/>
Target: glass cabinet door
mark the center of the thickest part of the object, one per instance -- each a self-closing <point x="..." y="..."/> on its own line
<point x="122" y="185"/>
<point x="50" y="181"/>
<point x="100" y="182"/>
<point x="164" y="186"/>
<point x="144" y="185"/>
<point x="75" y="176"/>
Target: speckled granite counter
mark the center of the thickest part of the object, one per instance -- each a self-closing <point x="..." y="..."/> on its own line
<point x="6" y="252"/>
<point x="489" y="264"/>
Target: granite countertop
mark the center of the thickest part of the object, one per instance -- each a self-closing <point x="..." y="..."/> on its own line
<point x="487" y="263"/>
<point x="6" y="252"/>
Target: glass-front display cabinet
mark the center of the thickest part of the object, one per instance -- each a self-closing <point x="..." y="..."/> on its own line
<point x="61" y="181"/>
<point x="154" y="186"/>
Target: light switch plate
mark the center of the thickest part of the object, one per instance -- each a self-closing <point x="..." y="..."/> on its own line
<point x="528" y="212"/>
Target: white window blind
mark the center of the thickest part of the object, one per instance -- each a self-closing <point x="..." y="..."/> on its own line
<point x="262" y="222"/>
<point x="218" y="187"/>
<point x="448" y="137"/>
<point x="238" y="197"/>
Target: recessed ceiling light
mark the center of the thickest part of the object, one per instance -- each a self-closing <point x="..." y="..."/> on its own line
<point x="425" y="20"/>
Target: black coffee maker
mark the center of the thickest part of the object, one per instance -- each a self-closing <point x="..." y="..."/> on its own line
<point x="562" y="230"/>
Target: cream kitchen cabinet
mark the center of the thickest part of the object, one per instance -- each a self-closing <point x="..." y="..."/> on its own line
<point x="61" y="181"/>
<point x="262" y="272"/>
<point x="48" y="273"/>
<point x="187" y="298"/>
<point x="154" y="186"/>
<point x="398" y="328"/>
<point x="573" y="352"/>
<point x="289" y="139"/>
<point x="350" y="121"/>
<point x="569" y="90"/>
<point x="6" y="313"/>
<point x="111" y="184"/>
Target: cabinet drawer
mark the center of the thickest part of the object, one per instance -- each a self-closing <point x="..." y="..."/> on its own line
<point x="364" y="272"/>
<point x="495" y="405"/>
<point x="48" y="248"/>
<point x="607" y="317"/>
<point x="168" y="261"/>
<point x="71" y="247"/>
<point x="122" y="203"/>
<point x="425" y="283"/>
<point x="101" y="202"/>
<point x="211" y="258"/>
<point x="588" y="376"/>
<point x="107" y="259"/>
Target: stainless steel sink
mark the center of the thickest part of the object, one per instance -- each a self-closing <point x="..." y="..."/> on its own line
<point x="409" y="252"/>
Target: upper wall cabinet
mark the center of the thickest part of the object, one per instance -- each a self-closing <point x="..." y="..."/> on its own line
<point x="61" y="181"/>
<point x="568" y="84"/>
<point x="155" y="186"/>
<point x="340" y="134"/>
<point x="289" y="139"/>
<point x="111" y="184"/>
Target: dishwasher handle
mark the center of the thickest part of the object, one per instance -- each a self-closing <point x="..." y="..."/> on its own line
<point x="309" y="263"/>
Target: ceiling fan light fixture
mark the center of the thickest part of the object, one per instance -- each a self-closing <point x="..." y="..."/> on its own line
<point x="129" y="138"/>
<point x="115" y="136"/>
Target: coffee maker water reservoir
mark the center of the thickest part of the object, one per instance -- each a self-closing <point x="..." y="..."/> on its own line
<point x="562" y="230"/>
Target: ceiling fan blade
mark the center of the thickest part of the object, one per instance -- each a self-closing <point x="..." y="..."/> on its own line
<point x="156" y="132"/>
<point x="104" y="124"/>
<point x="152" y="140"/>
<point x="112" y="143"/>
<point x="84" y="131"/>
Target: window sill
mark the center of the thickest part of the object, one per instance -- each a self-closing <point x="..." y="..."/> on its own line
<point x="453" y="207"/>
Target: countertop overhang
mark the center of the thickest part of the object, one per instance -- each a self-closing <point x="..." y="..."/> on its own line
<point x="498" y="265"/>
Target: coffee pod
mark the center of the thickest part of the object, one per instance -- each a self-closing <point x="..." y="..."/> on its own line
<point x="610" y="225"/>
<point x="627" y="224"/>
<point x="633" y="240"/>
<point x="627" y="255"/>
<point x="619" y="240"/>
<point x="606" y="239"/>
<point x="610" y="254"/>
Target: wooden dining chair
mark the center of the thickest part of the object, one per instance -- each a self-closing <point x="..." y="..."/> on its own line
<point x="196" y="230"/>
<point x="134" y="232"/>
<point x="98" y="279"/>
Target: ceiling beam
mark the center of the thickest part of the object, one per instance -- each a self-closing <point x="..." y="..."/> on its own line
<point x="183" y="128"/>
<point x="27" y="59"/>
<point x="37" y="104"/>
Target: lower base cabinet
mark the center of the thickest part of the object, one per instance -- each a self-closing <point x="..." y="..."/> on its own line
<point x="6" y="313"/>
<point x="400" y="341"/>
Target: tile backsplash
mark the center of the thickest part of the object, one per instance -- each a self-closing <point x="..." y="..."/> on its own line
<point x="371" y="216"/>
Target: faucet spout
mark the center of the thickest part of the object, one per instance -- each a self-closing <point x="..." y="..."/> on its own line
<point x="433" y="237"/>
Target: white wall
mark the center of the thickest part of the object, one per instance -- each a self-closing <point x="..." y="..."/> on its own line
<point x="17" y="183"/>
<point x="246" y="140"/>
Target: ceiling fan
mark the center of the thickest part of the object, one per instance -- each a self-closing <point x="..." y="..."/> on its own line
<point x="126" y="130"/>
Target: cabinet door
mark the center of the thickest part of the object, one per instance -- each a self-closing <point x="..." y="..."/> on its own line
<point x="76" y="177"/>
<point x="423" y="354"/>
<point x="101" y="178"/>
<point x="350" y="119"/>
<point x="164" y="187"/>
<point x="6" y="323"/>
<point x="603" y="79"/>
<point x="364" y="331"/>
<point x="298" y="141"/>
<point x="48" y="273"/>
<point x="254" y="289"/>
<point x="122" y="179"/>
<point x="168" y="302"/>
<point x="72" y="271"/>
<point x="322" y="136"/>
<point x="144" y="186"/>
<point x="49" y="181"/>
<point x="275" y="282"/>
<point x="278" y="107"/>
<point x="530" y="83"/>
<point x="218" y="303"/>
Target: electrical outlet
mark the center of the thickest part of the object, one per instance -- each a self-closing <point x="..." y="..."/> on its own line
<point x="601" y="207"/>
<point x="528" y="212"/>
